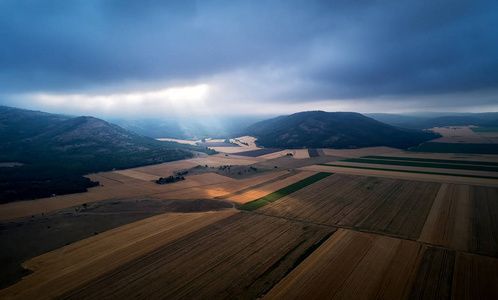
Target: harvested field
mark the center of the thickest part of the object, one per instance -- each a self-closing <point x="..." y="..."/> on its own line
<point x="300" y="153"/>
<point x="456" y="148"/>
<point x="231" y="150"/>
<point x="285" y="162"/>
<point x="25" y="238"/>
<point x="434" y="160"/>
<point x="427" y="164"/>
<point x="284" y="192"/>
<point x="188" y="142"/>
<point x="245" y="141"/>
<point x="70" y="267"/>
<point x="313" y="153"/>
<point x="445" y="156"/>
<point x="258" y="152"/>
<point x="475" y="277"/>
<point x="269" y="188"/>
<point x="359" y="152"/>
<point x="405" y="167"/>
<point x="217" y="190"/>
<point x="405" y="174"/>
<point x="126" y="187"/>
<point x="137" y="175"/>
<point x="221" y="160"/>
<point x="166" y="169"/>
<point x="459" y="134"/>
<point x="353" y="265"/>
<point x="236" y="257"/>
<point x="484" y="220"/>
<point x="396" y="207"/>
<point x="464" y="218"/>
<point x="218" y="144"/>
<point x="448" y="223"/>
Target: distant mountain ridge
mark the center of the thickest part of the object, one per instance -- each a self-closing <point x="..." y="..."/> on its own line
<point x="426" y="121"/>
<point x="319" y="129"/>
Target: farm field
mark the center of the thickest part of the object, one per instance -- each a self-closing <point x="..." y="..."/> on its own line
<point x="217" y="190"/>
<point x="464" y="148"/>
<point x="488" y="166"/>
<point x="353" y="265"/>
<point x="300" y="153"/>
<point x="350" y="153"/>
<point x="25" y="238"/>
<point x="361" y="232"/>
<point x="398" y="174"/>
<point x="460" y="134"/>
<point x="396" y="207"/>
<point x="435" y="160"/>
<point x="404" y="167"/>
<point x="272" y="197"/>
<point x="255" y="193"/>
<point x="118" y="186"/>
<point x="465" y="218"/>
<point x="176" y="261"/>
<point x="188" y="142"/>
<point x="314" y="152"/>
<point x="258" y="152"/>
<point x="245" y="141"/>
<point x="444" y="156"/>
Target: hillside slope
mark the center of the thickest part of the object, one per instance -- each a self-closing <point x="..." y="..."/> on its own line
<point x="319" y="129"/>
<point x="55" y="151"/>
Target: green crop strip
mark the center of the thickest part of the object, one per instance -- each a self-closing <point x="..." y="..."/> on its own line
<point x="449" y="161"/>
<point x="255" y="204"/>
<point x="423" y="164"/>
<point x="409" y="171"/>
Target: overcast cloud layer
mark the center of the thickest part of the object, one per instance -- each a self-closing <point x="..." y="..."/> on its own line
<point x="155" y="57"/>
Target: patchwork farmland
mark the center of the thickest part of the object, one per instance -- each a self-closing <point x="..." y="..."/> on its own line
<point x="372" y="223"/>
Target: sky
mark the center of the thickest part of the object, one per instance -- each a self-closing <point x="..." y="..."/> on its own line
<point x="163" y="58"/>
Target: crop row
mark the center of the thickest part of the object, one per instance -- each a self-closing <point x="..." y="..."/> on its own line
<point x="423" y="164"/>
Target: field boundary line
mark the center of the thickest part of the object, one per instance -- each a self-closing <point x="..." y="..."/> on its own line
<point x="409" y="171"/>
<point x="356" y="229"/>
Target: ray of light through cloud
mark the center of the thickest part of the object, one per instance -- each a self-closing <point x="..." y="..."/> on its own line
<point x="173" y="100"/>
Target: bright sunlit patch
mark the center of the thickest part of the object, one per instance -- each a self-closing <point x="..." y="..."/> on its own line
<point x="170" y="98"/>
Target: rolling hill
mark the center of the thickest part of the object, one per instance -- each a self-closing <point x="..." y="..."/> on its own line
<point x="52" y="152"/>
<point x="319" y="129"/>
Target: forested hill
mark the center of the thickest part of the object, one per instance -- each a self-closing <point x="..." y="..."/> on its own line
<point x="319" y="129"/>
<point x="55" y="151"/>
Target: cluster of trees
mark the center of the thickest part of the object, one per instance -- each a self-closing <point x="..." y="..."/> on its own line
<point x="170" y="179"/>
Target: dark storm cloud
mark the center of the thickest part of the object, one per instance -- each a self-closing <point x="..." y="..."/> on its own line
<point x="335" y="49"/>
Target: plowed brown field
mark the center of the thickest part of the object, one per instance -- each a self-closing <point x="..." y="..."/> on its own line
<point x="465" y="218"/>
<point x="350" y="153"/>
<point x="397" y="207"/>
<point x="353" y="265"/>
<point x="75" y="265"/>
<point x="239" y="256"/>
<point x="404" y="175"/>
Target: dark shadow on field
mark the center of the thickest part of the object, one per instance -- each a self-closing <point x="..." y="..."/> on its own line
<point x="25" y="238"/>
